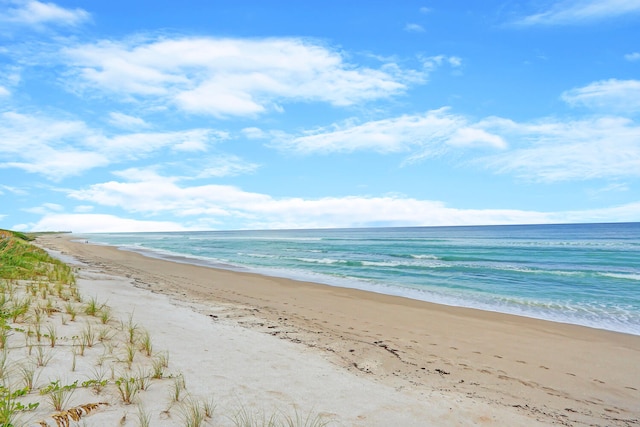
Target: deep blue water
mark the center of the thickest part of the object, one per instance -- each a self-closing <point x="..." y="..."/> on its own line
<point x="587" y="274"/>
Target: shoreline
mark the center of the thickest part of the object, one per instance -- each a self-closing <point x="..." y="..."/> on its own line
<point x="595" y="297"/>
<point x="549" y="371"/>
<point x="194" y="261"/>
<point x="204" y="262"/>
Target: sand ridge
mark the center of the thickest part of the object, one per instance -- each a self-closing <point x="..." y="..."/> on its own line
<point x="544" y="371"/>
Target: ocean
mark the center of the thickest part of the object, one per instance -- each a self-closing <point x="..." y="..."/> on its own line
<point x="585" y="274"/>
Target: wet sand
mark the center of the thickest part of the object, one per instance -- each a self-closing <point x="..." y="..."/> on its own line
<point x="508" y="369"/>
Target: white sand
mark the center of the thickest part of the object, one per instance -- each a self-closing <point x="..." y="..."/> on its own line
<point x="243" y="369"/>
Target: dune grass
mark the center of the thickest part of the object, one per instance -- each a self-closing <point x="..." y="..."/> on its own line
<point x="43" y="319"/>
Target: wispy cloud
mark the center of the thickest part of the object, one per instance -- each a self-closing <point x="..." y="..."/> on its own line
<point x="231" y="77"/>
<point x="224" y="165"/>
<point x="38" y="14"/>
<point x="552" y="150"/>
<point x="13" y="190"/>
<point x="608" y="95"/>
<point x="414" y="28"/>
<point x="254" y="133"/>
<point x="635" y="56"/>
<point x="432" y="62"/>
<point x="49" y="147"/>
<point x="546" y="150"/>
<point x="422" y="135"/>
<point x="58" y="148"/>
<point x="125" y="121"/>
<point x="580" y="11"/>
<point x="615" y="187"/>
<point x="9" y="79"/>
<point x="45" y="208"/>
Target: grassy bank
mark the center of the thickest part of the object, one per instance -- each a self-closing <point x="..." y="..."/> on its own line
<point x="67" y="360"/>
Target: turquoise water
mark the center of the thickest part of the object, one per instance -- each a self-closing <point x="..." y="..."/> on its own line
<point x="586" y="274"/>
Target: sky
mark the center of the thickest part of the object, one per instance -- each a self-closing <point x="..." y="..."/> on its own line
<point x="269" y="114"/>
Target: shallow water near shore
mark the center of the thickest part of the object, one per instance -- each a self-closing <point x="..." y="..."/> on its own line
<point x="585" y="274"/>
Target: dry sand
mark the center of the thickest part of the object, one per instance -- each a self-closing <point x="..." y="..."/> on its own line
<point x="358" y="358"/>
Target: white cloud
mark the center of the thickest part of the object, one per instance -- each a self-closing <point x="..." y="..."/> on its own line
<point x="145" y="191"/>
<point x="45" y="146"/>
<point x="609" y="95"/>
<point x="57" y="165"/>
<point x="615" y="187"/>
<point x="45" y="208"/>
<point x="14" y="190"/>
<point x="547" y="150"/>
<point x="414" y="28"/>
<point x="255" y="209"/>
<point x="36" y="13"/>
<point x="629" y="212"/>
<point x="635" y="56"/>
<point x="137" y="145"/>
<point x="225" y="165"/>
<point x="100" y="223"/>
<point x="231" y="77"/>
<point x="425" y="135"/>
<point x="554" y="150"/>
<point x="61" y="148"/>
<point x="432" y="62"/>
<point x="468" y="137"/>
<point x="581" y="11"/>
<point x="83" y="209"/>
<point x="125" y="121"/>
<point x="254" y="133"/>
<point x="209" y="204"/>
<point x="9" y="78"/>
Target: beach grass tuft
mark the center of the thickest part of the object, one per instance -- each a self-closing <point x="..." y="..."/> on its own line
<point x="59" y="395"/>
<point x="192" y="412"/>
<point x="145" y="343"/>
<point x="93" y="307"/>
<point x="144" y="417"/>
<point x="128" y="388"/>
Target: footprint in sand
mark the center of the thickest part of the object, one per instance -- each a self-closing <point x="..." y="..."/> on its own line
<point x="598" y="381"/>
<point x="521" y="361"/>
<point x="543" y="367"/>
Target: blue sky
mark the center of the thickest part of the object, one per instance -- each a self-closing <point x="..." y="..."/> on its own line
<point x="204" y="115"/>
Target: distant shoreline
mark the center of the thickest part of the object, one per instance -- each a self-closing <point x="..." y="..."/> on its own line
<point x="332" y="268"/>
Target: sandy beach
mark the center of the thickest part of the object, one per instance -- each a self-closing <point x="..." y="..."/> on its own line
<point x="355" y="357"/>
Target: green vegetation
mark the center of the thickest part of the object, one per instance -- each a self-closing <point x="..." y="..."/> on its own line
<point x="23" y="261"/>
<point x="39" y="322"/>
